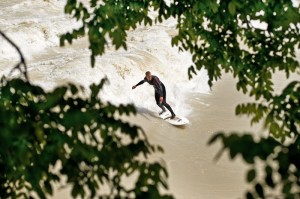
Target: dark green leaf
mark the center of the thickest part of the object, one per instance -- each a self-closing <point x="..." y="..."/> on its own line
<point x="251" y="175"/>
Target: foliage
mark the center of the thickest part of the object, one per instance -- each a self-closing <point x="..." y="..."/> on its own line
<point x="47" y="137"/>
<point x="280" y="164"/>
<point x="282" y="121"/>
<point x="250" y="39"/>
<point x="282" y="113"/>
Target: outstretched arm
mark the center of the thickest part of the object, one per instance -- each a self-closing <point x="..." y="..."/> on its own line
<point x="140" y="83"/>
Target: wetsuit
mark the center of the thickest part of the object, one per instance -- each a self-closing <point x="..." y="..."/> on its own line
<point x="160" y="91"/>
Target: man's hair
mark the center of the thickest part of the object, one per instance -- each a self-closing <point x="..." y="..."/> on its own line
<point x="147" y="73"/>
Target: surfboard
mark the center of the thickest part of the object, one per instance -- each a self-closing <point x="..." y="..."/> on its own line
<point x="177" y="121"/>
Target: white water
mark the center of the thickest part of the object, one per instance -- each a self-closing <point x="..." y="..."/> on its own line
<point x="35" y="26"/>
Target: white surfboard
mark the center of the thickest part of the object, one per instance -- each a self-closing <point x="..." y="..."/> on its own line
<point x="177" y="121"/>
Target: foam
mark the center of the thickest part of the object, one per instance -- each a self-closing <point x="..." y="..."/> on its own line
<point x="34" y="26"/>
<point x="150" y="49"/>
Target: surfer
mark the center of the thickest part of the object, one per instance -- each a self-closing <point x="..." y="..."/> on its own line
<point x="160" y="92"/>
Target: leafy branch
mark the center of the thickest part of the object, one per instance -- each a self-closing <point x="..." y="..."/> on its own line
<point x="48" y="136"/>
<point x="249" y="39"/>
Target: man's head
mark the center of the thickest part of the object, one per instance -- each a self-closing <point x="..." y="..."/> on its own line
<point x="148" y="75"/>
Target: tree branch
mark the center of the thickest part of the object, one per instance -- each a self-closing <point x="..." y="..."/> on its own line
<point x="22" y="59"/>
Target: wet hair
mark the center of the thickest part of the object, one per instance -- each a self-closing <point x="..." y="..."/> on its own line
<point x="147" y="73"/>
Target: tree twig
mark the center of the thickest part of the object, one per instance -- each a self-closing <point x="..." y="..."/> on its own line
<point x="22" y="59"/>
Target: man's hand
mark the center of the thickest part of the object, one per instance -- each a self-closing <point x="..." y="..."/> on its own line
<point x="161" y="99"/>
<point x="133" y="87"/>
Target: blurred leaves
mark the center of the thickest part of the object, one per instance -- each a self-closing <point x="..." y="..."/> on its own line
<point x="282" y="113"/>
<point x="281" y="164"/>
<point x="46" y="136"/>
<point x="219" y="34"/>
<point x="249" y="39"/>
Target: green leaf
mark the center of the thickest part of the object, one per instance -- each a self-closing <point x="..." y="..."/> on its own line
<point x="73" y="88"/>
<point x="287" y="187"/>
<point x="269" y="181"/>
<point x="274" y="128"/>
<point x="93" y="61"/>
<point x="251" y="175"/>
<point x="214" y="6"/>
<point x="259" y="190"/>
<point x="249" y="195"/>
<point x="190" y="71"/>
<point x="232" y="7"/>
<point x="48" y="187"/>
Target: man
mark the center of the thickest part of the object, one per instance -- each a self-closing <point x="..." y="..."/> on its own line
<point x="160" y="92"/>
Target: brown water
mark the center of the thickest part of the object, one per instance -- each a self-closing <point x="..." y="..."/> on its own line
<point x="193" y="172"/>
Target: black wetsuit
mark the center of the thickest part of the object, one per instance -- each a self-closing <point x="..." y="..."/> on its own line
<point x="160" y="91"/>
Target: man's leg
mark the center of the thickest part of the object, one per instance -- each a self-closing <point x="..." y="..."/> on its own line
<point x="169" y="108"/>
<point x="158" y="103"/>
<point x="165" y="102"/>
